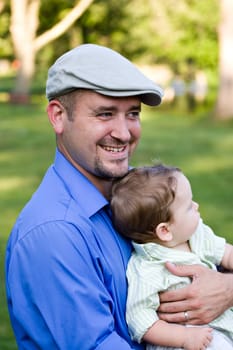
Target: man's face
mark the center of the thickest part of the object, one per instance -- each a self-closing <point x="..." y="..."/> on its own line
<point x="102" y="135"/>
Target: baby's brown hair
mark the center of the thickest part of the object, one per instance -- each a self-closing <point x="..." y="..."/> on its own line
<point x="141" y="200"/>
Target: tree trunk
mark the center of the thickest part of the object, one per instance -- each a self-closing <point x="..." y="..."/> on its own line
<point x="224" y="105"/>
<point x="61" y="27"/>
<point x="24" y="23"/>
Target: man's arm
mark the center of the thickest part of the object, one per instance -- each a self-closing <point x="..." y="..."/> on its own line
<point x="206" y="298"/>
<point x="57" y="293"/>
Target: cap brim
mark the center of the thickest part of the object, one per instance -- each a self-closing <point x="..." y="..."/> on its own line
<point x="147" y="97"/>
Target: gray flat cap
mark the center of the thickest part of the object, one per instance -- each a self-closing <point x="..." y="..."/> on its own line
<point x="103" y="70"/>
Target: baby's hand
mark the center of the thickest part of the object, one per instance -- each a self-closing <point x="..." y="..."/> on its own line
<point x="197" y="338"/>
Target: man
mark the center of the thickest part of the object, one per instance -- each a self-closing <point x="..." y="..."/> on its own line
<point x="65" y="263"/>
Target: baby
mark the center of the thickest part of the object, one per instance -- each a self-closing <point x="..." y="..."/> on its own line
<point x="153" y="206"/>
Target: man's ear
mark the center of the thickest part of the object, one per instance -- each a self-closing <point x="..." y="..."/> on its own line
<point x="163" y="232"/>
<point x="56" y="114"/>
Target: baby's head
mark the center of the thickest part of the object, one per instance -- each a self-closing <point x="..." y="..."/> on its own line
<point x="141" y="200"/>
<point x="153" y="204"/>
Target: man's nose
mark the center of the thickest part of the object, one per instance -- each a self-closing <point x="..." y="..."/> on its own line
<point x="120" y="130"/>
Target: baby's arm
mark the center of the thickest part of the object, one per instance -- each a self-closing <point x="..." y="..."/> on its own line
<point x="173" y="335"/>
<point x="227" y="260"/>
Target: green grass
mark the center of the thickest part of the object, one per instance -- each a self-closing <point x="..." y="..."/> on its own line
<point x="201" y="147"/>
<point x="27" y="148"/>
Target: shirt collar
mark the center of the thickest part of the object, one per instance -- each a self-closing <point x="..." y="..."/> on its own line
<point x="154" y="251"/>
<point x="79" y="187"/>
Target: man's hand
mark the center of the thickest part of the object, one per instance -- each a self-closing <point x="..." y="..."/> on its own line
<point x="206" y="298"/>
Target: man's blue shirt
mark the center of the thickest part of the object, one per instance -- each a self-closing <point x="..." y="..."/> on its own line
<point x="65" y="268"/>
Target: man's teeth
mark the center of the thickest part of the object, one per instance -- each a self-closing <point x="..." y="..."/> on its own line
<point x="114" y="149"/>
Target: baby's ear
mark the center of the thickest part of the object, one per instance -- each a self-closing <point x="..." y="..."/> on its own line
<point x="163" y="232"/>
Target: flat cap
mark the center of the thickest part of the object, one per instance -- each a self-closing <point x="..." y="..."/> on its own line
<point x="103" y="70"/>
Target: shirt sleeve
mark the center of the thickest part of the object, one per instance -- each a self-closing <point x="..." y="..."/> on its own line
<point x="143" y="298"/>
<point x="62" y="301"/>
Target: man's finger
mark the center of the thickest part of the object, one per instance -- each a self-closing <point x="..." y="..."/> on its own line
<point x="177" y="295"/>
<point x="174" y="307"/>
<point x="183" y="270"/>
<point x="179" y="317"/>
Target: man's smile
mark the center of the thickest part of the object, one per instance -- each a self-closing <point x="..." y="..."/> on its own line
<point x="114" y="149"/>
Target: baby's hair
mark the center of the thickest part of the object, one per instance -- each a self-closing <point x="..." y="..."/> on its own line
<point x="141" y="200"/>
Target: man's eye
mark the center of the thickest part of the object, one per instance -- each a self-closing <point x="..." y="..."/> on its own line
<point x="134" y="115"/>
<point x="104" y="114"/>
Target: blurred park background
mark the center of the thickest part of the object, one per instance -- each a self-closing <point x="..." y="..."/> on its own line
<point x="186" y="46"/>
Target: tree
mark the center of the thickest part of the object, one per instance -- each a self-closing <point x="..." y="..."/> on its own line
<point x="24" y="26"/>
<point x="224" y="105"/>
<point x="127" y="30"/>
<point x="154" y="32"/>
<point x="5" y="42"/>
<point x="167" y="31"/>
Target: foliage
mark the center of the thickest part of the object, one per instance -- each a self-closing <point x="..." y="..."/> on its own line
<point x="5" y="41"/>
<point x="157" y="31"/>
<point x="164" y="31"/>
<point x="55" y="10"/>
<point x="115" y="24"/>
<point x="187" y="31"/>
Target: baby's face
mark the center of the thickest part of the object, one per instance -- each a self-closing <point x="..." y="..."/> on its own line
<point x="185" y="214"/>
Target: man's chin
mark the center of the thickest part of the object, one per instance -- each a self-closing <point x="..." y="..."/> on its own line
<point x="112" y="173"/>
<point x="111" y="169"/>
<point x="120" y="170"/>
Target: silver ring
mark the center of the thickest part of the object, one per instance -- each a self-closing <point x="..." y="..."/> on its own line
<point x="186" y="315"/>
